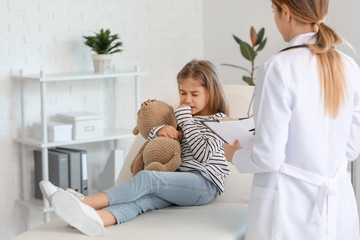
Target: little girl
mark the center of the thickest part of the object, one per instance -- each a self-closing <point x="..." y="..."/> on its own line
<point x="197" y="181"/>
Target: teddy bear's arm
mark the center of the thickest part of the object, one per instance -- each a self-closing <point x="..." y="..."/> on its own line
<point x="137" y="165"/>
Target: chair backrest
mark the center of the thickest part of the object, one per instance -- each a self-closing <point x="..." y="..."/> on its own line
<point x="237" y="186"/>
<point x="238" y="98"/>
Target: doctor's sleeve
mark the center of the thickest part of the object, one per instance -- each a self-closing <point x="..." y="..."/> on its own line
<point x="272" y="113"/>
<point x="353" y="145"/>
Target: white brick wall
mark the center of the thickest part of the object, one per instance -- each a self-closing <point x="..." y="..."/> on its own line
<point x="159" y="35"/>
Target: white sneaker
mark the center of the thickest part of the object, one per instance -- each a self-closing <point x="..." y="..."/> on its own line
<point x="78" y="195"/>
<point x="77" y="214"/>
<point x="48" y="189"/>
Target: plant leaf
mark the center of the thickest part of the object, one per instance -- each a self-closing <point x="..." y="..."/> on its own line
<point x="248" y="80"/>
<point x="261" y="46"/>
<point x="247" y="51"/>
<point x="103" y="42"/>
<point x="260" y="36"/>
<point x="253" y="36"/>
<point x="237" y="39"/>
<point x="235" y="66"/>
<point x="115" y="51"/>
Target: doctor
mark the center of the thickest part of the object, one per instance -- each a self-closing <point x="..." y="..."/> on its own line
<point x="307" y="118"/>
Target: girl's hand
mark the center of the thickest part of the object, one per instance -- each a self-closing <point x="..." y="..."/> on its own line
<point x="183" y="105"/>
<point x="169" y="132"/>
<point x="229" y="150"/>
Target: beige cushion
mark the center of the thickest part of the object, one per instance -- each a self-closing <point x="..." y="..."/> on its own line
<point x="238" y="98"/>
<point x="125" y="173"/>
<point x="216" y="221"/>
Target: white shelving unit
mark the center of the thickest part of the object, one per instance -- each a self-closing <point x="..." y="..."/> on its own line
<point x="24" y="140"/>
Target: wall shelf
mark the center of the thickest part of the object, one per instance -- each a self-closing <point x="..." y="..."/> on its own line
<point x="57" y="77"/>
<point x="24" y="140"/>
<point x="109" y="135"/>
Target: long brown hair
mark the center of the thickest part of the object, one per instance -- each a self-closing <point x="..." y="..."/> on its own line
<point x="205" y="72"/>
<point x="329" y="61"/>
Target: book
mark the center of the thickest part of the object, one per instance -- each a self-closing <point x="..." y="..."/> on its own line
<point x="230" y="129"/>
<point x="58" y="170"/>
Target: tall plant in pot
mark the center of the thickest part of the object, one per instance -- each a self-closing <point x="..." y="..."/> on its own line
<point x="249" y="52"/>
<point x="103" y="44"/>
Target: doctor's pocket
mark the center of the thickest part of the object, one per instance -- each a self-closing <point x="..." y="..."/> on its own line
<point x="261" y="214"/>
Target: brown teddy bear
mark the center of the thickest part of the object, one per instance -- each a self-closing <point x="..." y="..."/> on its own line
<point x="161" y="153"/>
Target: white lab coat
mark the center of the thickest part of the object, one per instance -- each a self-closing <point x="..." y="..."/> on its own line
<point x="301" y="189"/>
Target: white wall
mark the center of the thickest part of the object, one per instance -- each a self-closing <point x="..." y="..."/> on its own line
<point x="224" y="18"/>
<point x="159" y="35"/>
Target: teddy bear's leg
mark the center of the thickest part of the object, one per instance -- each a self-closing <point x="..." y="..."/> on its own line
<point x="174" y="163"/>
<point x="138" y="164"/>
<point x="170" y="166"/>
<point x="155" y="166"/>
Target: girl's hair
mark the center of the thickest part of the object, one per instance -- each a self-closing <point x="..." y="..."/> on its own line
<point x="330" y="65"/>
<point x="205" y="72"/>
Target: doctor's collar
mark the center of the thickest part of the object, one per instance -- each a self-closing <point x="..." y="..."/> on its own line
<point x="303" y="38"/>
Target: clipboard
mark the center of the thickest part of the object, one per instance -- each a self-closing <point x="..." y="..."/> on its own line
<point x="230" y="129"/>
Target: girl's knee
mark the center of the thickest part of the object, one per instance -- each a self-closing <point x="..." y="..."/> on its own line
<point x="143" y="174"/>
<point x="147" y="176"/>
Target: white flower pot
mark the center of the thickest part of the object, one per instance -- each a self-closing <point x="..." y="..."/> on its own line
<point x="102" y="63"/>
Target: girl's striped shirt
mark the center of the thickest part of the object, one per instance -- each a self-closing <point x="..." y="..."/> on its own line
<point x="201" y="149"/>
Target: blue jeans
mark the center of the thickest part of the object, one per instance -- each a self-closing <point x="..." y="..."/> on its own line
<point x="149" y="190"/>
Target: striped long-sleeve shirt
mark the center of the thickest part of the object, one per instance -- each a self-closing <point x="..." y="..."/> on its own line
<point x="201" y="149"/>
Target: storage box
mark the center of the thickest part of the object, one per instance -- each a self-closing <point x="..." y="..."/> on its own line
<point x="85" y="124"/>
<point x="57" y="131"/>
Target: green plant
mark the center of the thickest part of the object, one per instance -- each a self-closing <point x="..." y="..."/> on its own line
<point x="103" y="42"/>
<point x="249" y="52"/>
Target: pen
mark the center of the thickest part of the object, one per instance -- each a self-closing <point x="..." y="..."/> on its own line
<point x="251" y="130"/>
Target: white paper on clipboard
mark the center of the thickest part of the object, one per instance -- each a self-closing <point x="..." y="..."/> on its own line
<point x="231" y="130"/>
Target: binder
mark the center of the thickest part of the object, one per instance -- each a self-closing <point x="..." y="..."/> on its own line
<point x="74" y="162"/>
<point x="58" y="170"/>
<point x="230" y="130"/>
<point x="84" y="171"/>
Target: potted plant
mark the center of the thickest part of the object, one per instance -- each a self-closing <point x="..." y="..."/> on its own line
<point x="103" y="44"/>
<point x="249" y="52"/>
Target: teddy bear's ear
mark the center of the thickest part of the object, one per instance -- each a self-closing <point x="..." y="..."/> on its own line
<point x="136" y="131"/>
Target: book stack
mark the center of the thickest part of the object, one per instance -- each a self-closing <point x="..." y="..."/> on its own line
<point x="67" y="169"/>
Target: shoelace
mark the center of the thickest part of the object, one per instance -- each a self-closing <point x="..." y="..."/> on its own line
<point x="75" y="193"/>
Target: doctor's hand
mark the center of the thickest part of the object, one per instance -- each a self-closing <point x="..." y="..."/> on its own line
<point x="229" y="150"/>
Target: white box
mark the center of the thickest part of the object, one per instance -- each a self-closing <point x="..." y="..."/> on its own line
<point x="85" y="124"/>
<point x="57" y="131"/>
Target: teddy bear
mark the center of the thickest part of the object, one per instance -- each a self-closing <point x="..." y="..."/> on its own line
<point x="160" y="153"/>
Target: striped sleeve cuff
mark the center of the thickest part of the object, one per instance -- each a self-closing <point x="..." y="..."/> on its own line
<point x="182" y="115"/>
<point x="153" y="132"/>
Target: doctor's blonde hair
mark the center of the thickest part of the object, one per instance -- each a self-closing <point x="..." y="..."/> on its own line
<point x="205" y="72"/>
<point x="330" y="65"/>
